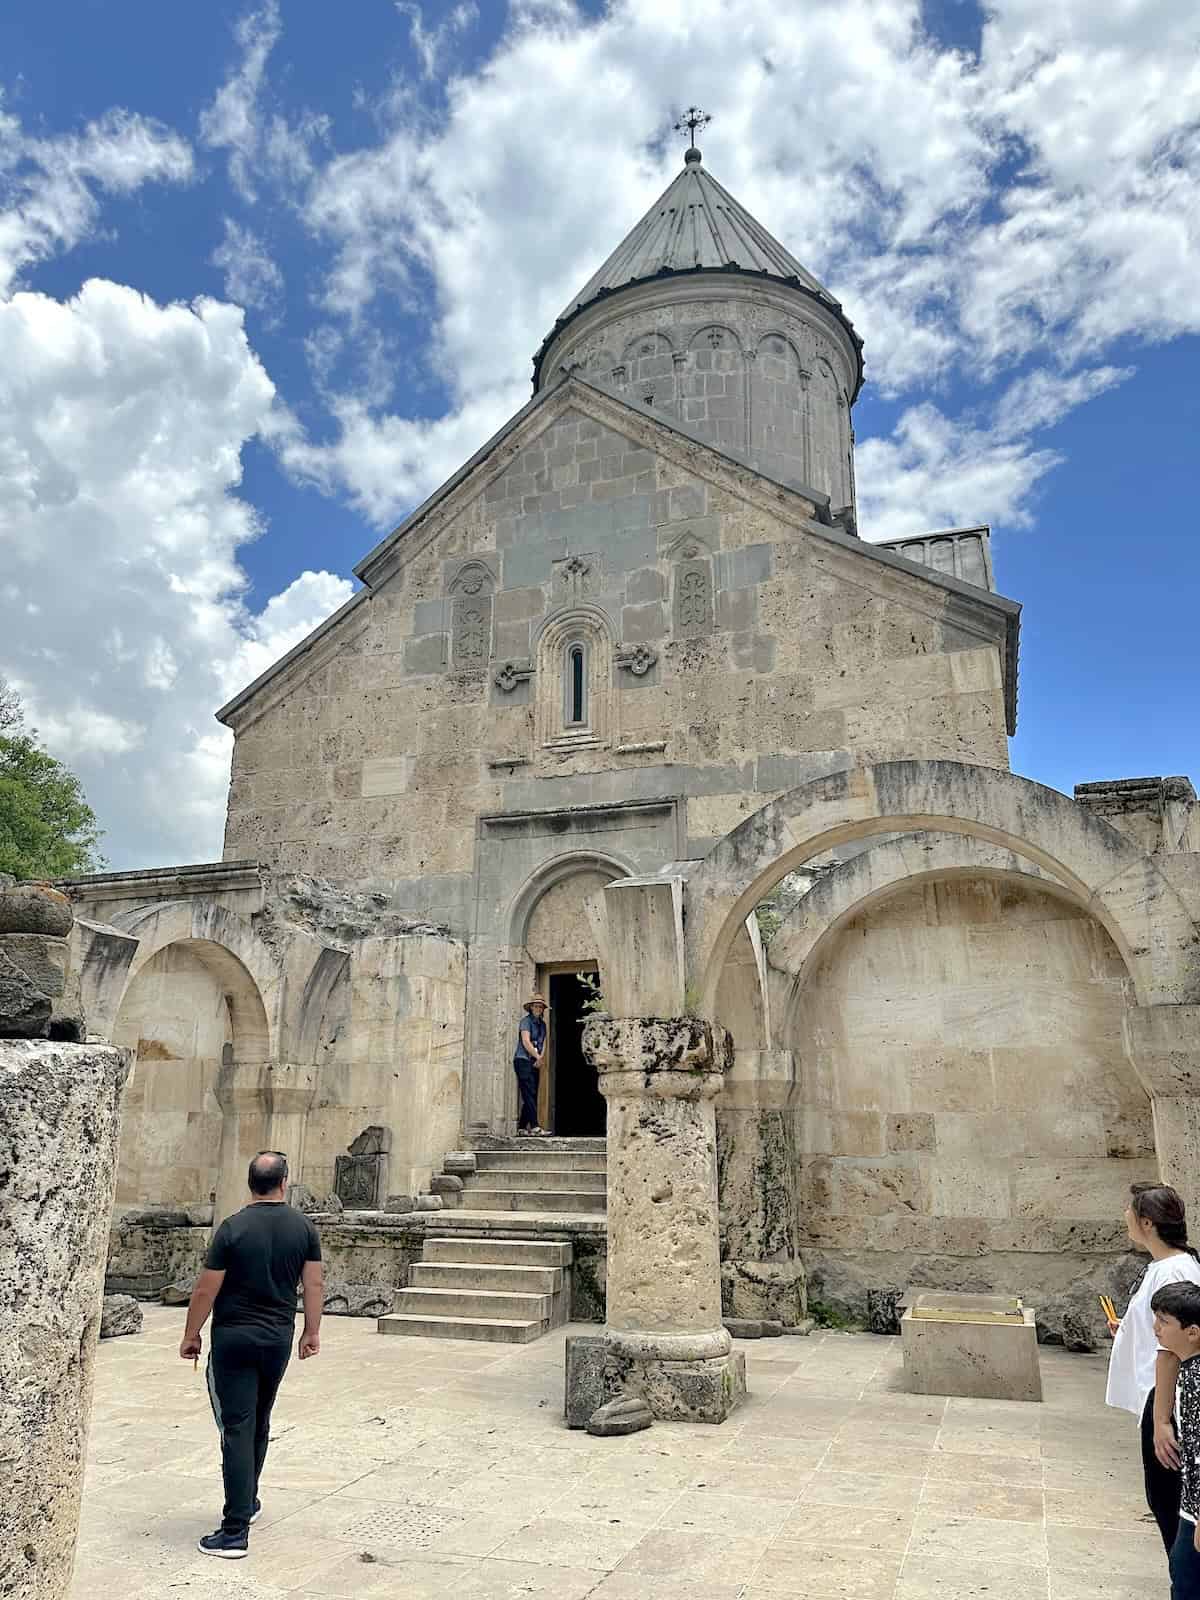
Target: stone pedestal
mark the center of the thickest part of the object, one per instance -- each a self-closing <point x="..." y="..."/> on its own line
<point x="663" y="1332"/>
<point x="979" y="1360"/>
<point x="60" y="1129"/>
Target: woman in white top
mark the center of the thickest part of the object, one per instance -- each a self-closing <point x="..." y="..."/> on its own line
<point x="1141" y="1376"/>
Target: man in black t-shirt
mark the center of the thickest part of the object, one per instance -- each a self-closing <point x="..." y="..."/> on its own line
<point x="256" y="1259"/>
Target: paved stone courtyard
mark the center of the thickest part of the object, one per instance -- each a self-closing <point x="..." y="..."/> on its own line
<point x="428" y="1469"/>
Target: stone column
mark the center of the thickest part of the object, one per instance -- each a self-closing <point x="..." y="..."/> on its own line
<point x="1163" y="1045"/>
<point x="663" y="1328"/>
<point x="60" y="1128"/>
<point x="660" y="1072"/>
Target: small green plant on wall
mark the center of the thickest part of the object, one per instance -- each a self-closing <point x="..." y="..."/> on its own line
<point x="593" y="999"/>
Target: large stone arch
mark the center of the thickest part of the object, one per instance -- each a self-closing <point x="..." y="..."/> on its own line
<point x="872" y="876"/>
<point x="1119" y="885"/>
<point x="197" y="1017"/>
<point x="558" y="870"/>
<point x="226" y="944"/>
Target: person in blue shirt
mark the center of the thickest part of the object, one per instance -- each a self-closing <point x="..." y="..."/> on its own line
<point x="527" y="1061"/>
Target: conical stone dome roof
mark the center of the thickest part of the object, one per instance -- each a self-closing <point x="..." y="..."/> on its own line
<point x="695" y="226"/>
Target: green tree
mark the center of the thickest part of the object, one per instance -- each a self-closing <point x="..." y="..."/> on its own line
<point x="47" y="828"/>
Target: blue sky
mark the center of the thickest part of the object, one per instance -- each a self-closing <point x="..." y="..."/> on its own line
<point x="269" y="273"/>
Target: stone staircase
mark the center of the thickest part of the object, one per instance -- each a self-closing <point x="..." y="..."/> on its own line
<point x="475" y="1280"/>
<point x="565" y="1176"/>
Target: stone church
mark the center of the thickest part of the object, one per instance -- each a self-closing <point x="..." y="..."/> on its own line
<point x="637" y="639"/>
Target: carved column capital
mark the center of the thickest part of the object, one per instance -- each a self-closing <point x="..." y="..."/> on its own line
<point x="673" y="1058"/>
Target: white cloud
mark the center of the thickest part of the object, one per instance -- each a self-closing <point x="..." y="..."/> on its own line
<point x="259" y="144"/>
<point x="1041" y="201"/>
<point x="935" y="473"/>
<point x="1042" y="398"/>
<point x="48" y="187"/>
<point x="431" y="43"/>
<point x="251" y="276"/>
<point x="122" y="424"/>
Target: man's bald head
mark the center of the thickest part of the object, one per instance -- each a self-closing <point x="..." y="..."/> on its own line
<point x="268" y="1172"/>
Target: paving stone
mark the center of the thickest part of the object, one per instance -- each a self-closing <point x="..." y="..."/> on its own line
<point x="495" y="1496"/>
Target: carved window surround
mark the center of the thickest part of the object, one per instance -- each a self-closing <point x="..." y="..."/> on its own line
<point x="589" y="627"/>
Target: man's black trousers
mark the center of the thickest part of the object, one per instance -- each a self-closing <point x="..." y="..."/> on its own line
<point x="245" y="1368"/>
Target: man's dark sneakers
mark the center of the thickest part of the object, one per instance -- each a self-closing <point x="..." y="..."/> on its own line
<point x="232" y="1546"/>
<point x="257" y="1512"/>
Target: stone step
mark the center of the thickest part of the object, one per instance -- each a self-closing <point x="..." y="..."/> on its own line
<point x="465" y="1275"/>
<point x="566" y="1146"/>
<point x="551" y="1200"/>
<point x="497" y="1252"/>
<point x="495" y="1332"/>
<point x="534" y="1178"/>
<point x="491" y="1303"/>
<point x="531" y="1154"/>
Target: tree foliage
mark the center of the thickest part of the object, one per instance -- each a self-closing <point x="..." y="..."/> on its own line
<point x="47" y="828"/>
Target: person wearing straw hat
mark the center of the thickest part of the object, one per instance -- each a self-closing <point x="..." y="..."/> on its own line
<point x="527" y="1062"/>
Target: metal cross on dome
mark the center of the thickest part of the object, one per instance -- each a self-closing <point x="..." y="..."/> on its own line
<point x="692" y="119"/>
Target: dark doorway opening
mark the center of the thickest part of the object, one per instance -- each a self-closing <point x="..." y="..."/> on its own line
<point x="579" y="1109"/>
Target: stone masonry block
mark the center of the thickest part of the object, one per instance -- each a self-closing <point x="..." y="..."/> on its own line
<point x="643" y="586"/>
<point x="740" y="569"/>
<point x="641" y="624"/>
<point x="586" y="1358"/>
<point x="737" y="609"/>
<point x="984" y="1361"/>
<point x="424" y="655"/>
<point x="40" y="957"/>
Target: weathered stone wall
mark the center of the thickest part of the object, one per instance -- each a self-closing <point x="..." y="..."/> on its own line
<point x="725" y="646"/>
<point x="176" y="1022"/>
<point x="399" y="1064"/>
<point x="968" y="1115"/>
<point x="559" y="929"/>
<point x="60" y="1109"/>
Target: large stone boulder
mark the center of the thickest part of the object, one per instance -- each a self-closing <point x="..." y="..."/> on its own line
<point x="120" y="1315"/>
<point x="34" y="923"/>
<point x="35" y="908"/>
<point x="24" y="1008"/>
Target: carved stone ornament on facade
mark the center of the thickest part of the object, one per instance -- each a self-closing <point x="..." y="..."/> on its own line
<point x="693" y="598"/>
<point x="576" y="567"/>
<point x="472" y="641"/>
<point x="511" y="674"/>
<point x="638" y="659"/>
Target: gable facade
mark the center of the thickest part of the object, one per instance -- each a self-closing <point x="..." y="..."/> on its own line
<point x="609" y="613"/>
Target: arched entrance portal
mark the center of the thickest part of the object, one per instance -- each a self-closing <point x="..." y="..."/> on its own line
<point x="552" y="927"/>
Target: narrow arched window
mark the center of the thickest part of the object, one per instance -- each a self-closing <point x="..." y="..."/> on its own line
<point x="575" y="686"/>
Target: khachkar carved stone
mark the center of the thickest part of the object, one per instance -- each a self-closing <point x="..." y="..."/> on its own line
<point x="663" y="1334"/>
<point x="60" y="1116"/>
<point x="361" y="1177"/>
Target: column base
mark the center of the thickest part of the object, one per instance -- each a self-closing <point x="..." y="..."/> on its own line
<point x="707" y="1389"/>
<point x="687" y="1391"/>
